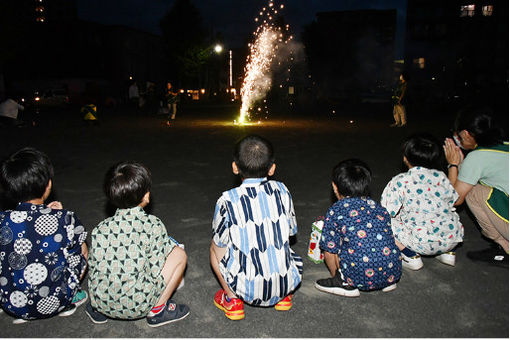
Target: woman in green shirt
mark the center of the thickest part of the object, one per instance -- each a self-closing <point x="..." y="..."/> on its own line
<point x="482" y="177"/>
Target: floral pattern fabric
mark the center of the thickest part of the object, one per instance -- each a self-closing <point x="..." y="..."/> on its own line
<point x="423" y="218"/>
<point x="359" y="230"/>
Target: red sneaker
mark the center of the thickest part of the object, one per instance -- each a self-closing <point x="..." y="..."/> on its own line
<point x="234" y="310"/>
<point x="284" y="304"/>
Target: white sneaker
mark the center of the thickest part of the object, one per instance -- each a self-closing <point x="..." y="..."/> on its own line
<point x="18" y="321"/>
<point x="413" y="263"/>
<point x="390" y="288"/>
<point x="447" y="258"/>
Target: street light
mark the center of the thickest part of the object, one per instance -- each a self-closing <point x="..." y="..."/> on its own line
<point x="218" y="48"/>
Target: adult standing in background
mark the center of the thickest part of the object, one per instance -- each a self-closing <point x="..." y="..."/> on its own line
<point x="481" y="178"/>
<point x="172" y="99"/>
<point x="134" y="94"/>
<point x="399" y="110"/>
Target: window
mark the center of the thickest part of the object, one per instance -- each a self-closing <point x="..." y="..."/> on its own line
<point x="487" y="10"/>
<point x="419" y="63"/>
<point x="467" y="10"/>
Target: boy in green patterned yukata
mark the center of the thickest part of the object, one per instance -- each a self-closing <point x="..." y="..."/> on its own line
<point x="134" y="266"/>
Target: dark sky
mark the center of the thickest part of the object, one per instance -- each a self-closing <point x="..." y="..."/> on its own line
<point x="233" y="18"/>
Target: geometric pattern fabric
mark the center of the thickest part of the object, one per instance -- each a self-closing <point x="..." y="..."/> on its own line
<point x="127" y="254"/>
<point x="254" y="222"/>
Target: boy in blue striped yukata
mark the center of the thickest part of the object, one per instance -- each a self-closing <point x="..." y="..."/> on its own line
<point x="250" y="252"/>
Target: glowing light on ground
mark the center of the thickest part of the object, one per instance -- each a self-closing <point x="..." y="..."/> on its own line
<point x="257" y="80"/>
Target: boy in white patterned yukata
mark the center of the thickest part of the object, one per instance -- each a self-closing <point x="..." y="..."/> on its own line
<point x="134" y="266"/>
<point x="250" y="251"/>
<point x="420" y="202"/>
<point x="43" y="254"/>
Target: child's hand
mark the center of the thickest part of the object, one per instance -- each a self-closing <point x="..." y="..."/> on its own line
<point x="55" y="205"/>
<point x="452" y="152"/>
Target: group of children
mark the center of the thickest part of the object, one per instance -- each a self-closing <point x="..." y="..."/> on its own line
<point x="134" y="267"/>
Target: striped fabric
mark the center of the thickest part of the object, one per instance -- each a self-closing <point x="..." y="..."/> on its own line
<point x="254" y="221"/>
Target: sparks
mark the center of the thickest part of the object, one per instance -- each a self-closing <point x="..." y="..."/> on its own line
<point x="257" y="80"/>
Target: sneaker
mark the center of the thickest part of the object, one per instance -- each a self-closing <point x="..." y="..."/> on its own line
<point x="69" y="310"/>
<point x="171" y="313"/>
<point x="447" y="258"/>
<point x="234" y="310"/>
<point x="413" y="263"/>
<point x="285" y="304"/>
<point x="390" y="288"/>
<point x="495" y="255"/>
<point x="335" y="285"/>
<point x="94" y="315"/>
<point x="394" y="125"/>
<point x="79" y="299"/>
<point x="19" y="321"/>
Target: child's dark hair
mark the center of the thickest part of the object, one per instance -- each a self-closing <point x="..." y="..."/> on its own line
<point x="352" y="178"/>
<point x="479" y="122"/>
<point x="25" y="174"/>
<point x="126" y="183"/>
<point x="253" y="156"/>
<point x="423" y="150"/>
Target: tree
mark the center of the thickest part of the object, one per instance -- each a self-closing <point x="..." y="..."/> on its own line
<point x="187" y="41"/>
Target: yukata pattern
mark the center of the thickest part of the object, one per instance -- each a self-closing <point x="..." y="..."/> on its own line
<point x="40" y="260"/>
<point x="423" y="218"/>
<point x="254" y="221"/>
<point x="359" y="230"/>
<point x="127" y="254"/>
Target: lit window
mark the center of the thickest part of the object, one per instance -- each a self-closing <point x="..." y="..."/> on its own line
<point x="467" y="10"/>
<point x="487" y="10"/>
<point x="419" y="63"/>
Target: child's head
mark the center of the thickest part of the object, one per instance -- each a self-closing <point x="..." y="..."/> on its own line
<point x="26" y="175"/>
<point x="422" y="150"/>
<point x="351" y="177"/>
<point x="253" y="157"/>
<point x="127" y="184"/>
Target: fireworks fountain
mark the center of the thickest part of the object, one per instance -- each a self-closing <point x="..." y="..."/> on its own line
<point x="257" y="80"/>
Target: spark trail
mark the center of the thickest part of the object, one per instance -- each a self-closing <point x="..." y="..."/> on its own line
<point x="257" y="80"/>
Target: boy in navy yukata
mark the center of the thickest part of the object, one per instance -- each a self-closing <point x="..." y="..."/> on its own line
<point x="250" y="251"/>
<point x="42" y="246"/>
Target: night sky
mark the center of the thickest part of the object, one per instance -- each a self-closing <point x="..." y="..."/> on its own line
<point x="233" y="18"/>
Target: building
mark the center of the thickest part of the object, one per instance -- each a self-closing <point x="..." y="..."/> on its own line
<point x="351" y="52"/>
<point x="457" y="50"/>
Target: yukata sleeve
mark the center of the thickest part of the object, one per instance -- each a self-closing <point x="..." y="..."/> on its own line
<point x="331" y="240"/>
<point x="291" y="215"/>
<point x="160" y="242"/>
<point x="221" y="223"/>
<point x="160" y="246"/>
<point x="75" y="236"/>
<point x="391" y="197"/>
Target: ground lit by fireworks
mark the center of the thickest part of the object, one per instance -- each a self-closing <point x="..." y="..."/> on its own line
<point x="257" y="81"/>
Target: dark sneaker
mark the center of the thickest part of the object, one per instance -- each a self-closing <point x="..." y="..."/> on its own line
<point x="335" y="285"/>
<point x="94" y="315"/>
<point x="494" y="255"/>
<point x="171" y="313"/>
